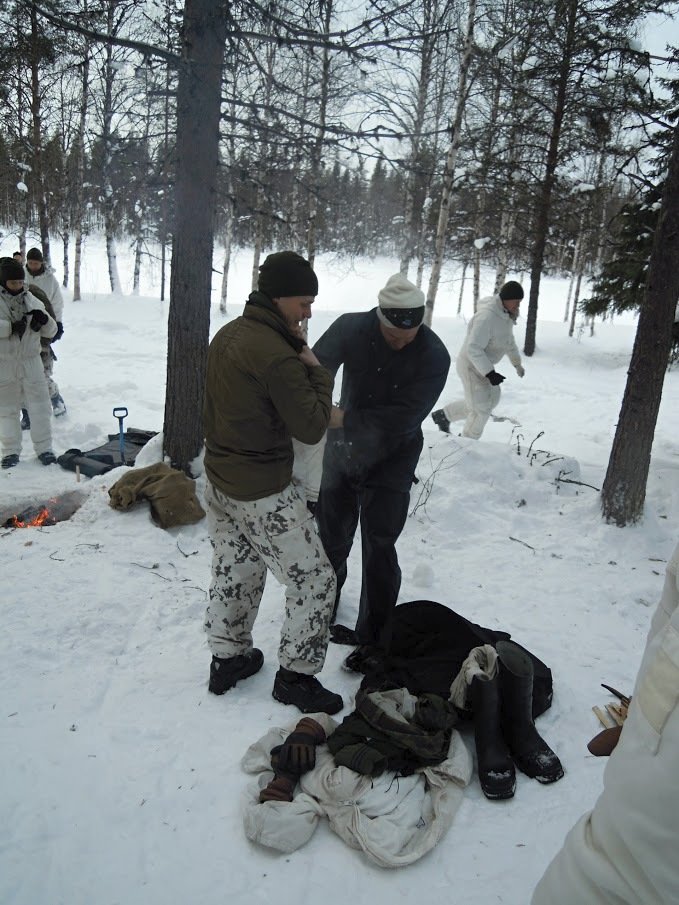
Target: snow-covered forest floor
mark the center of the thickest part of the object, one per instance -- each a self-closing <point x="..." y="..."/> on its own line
<point x="121" y="782"/>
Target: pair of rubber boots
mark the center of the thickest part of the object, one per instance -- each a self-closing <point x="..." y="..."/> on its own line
<point x="504" y="731"/>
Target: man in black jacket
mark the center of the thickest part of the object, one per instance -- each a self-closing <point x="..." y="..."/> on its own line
<point x="394" y="370"/>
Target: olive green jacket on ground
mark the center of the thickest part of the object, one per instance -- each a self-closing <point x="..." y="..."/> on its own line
<point x="258" y="395"/>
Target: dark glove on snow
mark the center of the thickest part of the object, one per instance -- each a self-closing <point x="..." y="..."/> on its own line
<point x="38" y="319"/>
<point x="297" y="754"/>
<point x="19" y="327"/>
<point x="59" y="333"/>
<point x="495" y="378"/>
<point x="281" y="788"/>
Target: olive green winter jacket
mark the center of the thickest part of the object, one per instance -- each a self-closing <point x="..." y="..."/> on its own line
<point x="258" y="395"/>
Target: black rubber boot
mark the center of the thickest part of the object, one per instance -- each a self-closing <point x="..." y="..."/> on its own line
<point x="305" y="692"/>
<point x="440" y="420"/>
<point x="495" y="767"/>
<point x="531" y="753"/>
<point x="225" y="672"/>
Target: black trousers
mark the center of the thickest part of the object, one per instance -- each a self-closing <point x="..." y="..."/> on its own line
<point x="381" y="506"/>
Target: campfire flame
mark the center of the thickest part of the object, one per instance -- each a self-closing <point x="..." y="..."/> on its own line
<point x="42" y="518"/>
<point x="43" y="513"/>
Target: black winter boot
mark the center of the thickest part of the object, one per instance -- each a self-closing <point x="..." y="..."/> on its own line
<point x="495" y="767"/>
<point x="532" y="755"/>
<point x="225" y="672"/>
<point x="305" y="692"/>
<point x="440" y="420"/>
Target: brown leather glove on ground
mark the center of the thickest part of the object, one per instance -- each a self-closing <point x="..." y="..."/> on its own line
<point x="297" y="755"/>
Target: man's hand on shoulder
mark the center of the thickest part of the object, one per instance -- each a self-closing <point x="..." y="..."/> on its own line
<point x="307" y="357"/>
<point x="336" y="417"/>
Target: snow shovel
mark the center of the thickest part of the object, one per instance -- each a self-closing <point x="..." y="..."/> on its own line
<point x="120" y="412"/>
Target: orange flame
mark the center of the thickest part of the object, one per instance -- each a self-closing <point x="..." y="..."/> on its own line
<point x="40" y="519"/>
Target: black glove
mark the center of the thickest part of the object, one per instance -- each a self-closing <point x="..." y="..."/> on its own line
<point x="59" y="333"/>
<point x="297" y="754"/>
<point x="38" y="319"/>
<point x="19" y="327"/>
<point x="311" y="506"/>
<point x="495" y="378"/>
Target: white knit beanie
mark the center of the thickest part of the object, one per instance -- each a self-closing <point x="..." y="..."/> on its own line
<point x="400" y="293"/>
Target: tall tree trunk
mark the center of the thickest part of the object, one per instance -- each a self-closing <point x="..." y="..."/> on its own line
<point x="576" y="299"/>
<point x="624" y="489"/>
<point x="544" y="202"/>
<point x="79" y="203"/>
<point x="574" y="270"/>
<point x="228" y="242"/>
<point x="65" y="238"/>
<point x="461" y="296"/>
<point x="38" y="163"/>
<point x="138" y="246"/>
<point x="411" y="216"/>
<point x="258" y="240"/>
<point x="326" y="7"/>
<point x="476" y="280"/>
<point x="110" y="224"/>
<point x="449" y="170"/>
<point x="198" y="112"/>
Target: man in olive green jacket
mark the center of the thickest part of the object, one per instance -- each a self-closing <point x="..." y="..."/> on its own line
<point x="265" y="386"/>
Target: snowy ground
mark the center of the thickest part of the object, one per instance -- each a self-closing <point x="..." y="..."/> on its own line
<point x="120" y="774"/>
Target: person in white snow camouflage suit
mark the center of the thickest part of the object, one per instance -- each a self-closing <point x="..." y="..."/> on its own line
<point x="38" y="275"/>
<point x="490" y="336"/>
<point x="23" y="322"/>
<point x="264" y="386"/>
<point x="624" y="851"/>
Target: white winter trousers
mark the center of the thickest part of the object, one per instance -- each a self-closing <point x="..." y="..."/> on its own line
<point x="22" y="381"/>
<point x="480" y="398"/>
<point x="277" y="533"/>
<point x="624" y="852"/>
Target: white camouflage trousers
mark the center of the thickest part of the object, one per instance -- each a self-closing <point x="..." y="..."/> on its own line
<point x="480" y="398"/>
<point x="25" y="386"/>
<point x="277" y="533"/>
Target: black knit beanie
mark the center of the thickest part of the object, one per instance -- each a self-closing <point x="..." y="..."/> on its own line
<point x="511" y="292"/>
<point x="34" y="254"/>
<point x="285" y="274"/>
<point x="10" y="270"/>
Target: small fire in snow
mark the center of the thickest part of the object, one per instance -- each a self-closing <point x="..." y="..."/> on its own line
<point x="32" y="519"/>
<point x="42" y="513"/>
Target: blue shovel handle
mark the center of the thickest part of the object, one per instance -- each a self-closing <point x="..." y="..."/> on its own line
<point x="120" y="412"/>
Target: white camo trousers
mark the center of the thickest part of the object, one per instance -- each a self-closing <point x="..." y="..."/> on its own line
<point x="279" y="534"/>
<point x="480" y="398"/>
<point x="25" y="386"/>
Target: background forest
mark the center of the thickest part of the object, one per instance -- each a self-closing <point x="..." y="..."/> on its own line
<point x="342" y="127"/>
<point x="501" y="133"/>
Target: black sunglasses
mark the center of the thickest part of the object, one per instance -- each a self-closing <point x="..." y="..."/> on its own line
<point x="404" y="318"/>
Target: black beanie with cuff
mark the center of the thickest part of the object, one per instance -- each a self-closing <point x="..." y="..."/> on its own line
<point x="285" y="274"/>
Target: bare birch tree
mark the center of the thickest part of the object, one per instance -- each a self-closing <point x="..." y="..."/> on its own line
<point x="449" y="168"/>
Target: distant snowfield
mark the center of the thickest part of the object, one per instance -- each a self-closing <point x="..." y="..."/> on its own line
<point x="121" y="776"/>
